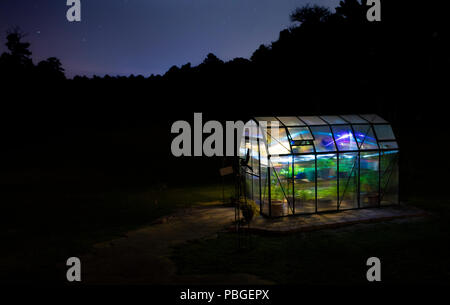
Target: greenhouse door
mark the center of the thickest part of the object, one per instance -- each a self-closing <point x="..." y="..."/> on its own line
<point x="327" y="182"/>
<point x="305" y="184"/>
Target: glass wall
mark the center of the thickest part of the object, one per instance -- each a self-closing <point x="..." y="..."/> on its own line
<point x="384" y="132"/>
<point x="389" y="177"/>
<point x="281" y="185"/>
<point x="255" y="189"/>
<point x="264" y="163"/>
<point x="369" y="178"/>
<point x="250" y="161"/>
<point x="348" y="181"/>
<point x="344" y="138"/>
<point x="278" y="141"/>
<point x="248" y="187"/>
<point x="305" y="184"/>
<point x="254" y="155"/>
<point x="323" y="138"/>
<point x="326" y="182"/>
<point x="365" y="137"/>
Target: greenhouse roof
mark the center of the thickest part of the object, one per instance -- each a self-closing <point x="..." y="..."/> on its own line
<point x="325" y="119"/>
<point x="328" y="133"/>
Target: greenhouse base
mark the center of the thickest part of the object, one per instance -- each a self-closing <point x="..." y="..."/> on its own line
<point x="322" y="221"/>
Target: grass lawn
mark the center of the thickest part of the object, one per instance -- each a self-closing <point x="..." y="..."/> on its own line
<point x="43" y="226"/>
<point x="415" y="251"/>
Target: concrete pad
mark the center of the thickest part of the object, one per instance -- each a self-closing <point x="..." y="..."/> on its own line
<point x="301" y="223"/>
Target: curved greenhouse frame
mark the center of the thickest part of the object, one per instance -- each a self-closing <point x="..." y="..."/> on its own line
<point x="310" y="164"/>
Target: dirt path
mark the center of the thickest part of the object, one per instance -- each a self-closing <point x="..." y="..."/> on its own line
<point x="142" y="256"/>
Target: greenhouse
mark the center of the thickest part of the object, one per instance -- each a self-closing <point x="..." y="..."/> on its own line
<point x="311" y="164"/>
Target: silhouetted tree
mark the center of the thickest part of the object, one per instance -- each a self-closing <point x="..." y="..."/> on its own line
<point x="352" y="11"/>
<point x="211" y="68"/>
<point x="172" y="73"/>
<point x="17" y="64"/>
<point x="51" y="68"/>
<point x="19" y="50"/>
<point x="238" y="61"/>
<point x="212" y="60"/>
<point x="18" y="61"/>
<point x="186" y="67"/>
<point x="261" y="54"/>
<point x="309" y="15"/>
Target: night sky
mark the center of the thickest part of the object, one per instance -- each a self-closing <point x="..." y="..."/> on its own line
<point x="122" y="37"/>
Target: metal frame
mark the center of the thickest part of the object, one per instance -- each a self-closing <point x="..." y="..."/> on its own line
<point x="338" y="153"/>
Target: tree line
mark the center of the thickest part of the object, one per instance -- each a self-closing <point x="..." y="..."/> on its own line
<point x="17" y="64"/>
<point x="324" y="55"/>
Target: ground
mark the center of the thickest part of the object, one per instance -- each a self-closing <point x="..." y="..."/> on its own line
<point x="411" y="251"/>
<point x="43" y="222"/>
<point x="134" y="240"/>
<point x="146" y="255"/>
<point x="142" y="256"/>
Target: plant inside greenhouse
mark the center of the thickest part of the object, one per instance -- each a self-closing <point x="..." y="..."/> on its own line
<point x="310" y="164"/>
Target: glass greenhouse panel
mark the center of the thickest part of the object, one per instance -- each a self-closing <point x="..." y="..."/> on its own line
<point x="389" y="177"/>
<point x="303" y="149"/>
<point x="343" y="135"/>
<point x="373" y="118"/>
<point x="264" y="179"/>
<point x="290" y="121"/>
<point x="267" y="119"/>
<point x="305" y="184"/>
<point x="279" y="203"/>
<point x="365" y="137"/>
<point x="323" y="139"/>
<point x="369" y="175"/>
<point x="384" y="132"/>
<point x="251" y="129"/>
<point x="301" y="140"/>
<point x="282" y="166"/>
<point x="248" y="186"/>
<point x="388" y="144"/>
<point x="255" y="189"/>
<point x="348" y="181"/>
<point x="312" y="120"/>
<point x="254" y="156"/>
<point x="245" y="147"/>
<point x="354" y="119"/>
<point x="263" y="154"/>
<point x="333" y="119"/>
<point x="300" y="133"/>
<point x="278" y="141"/>
<point x="327" y="182"/>
<point x="249" y="136"/>
<point x="281" y="185"/>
